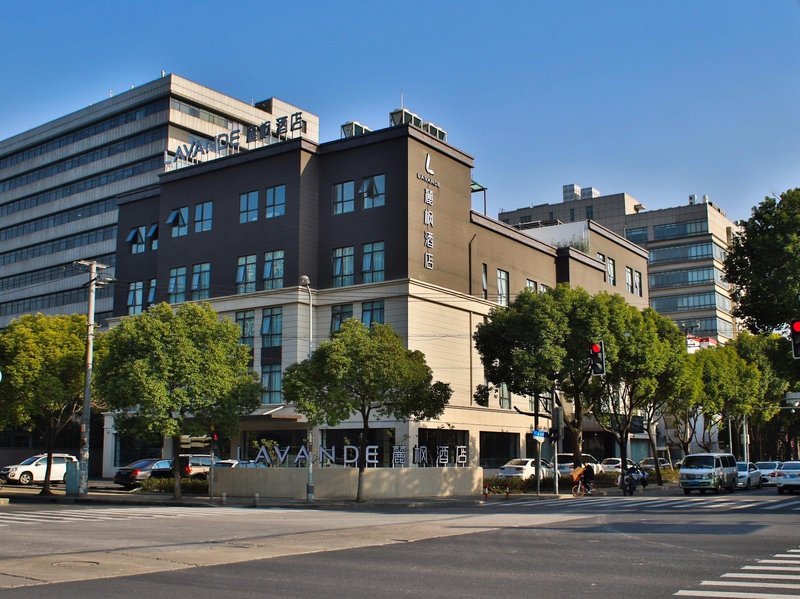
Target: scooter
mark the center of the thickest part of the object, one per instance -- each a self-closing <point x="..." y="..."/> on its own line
<point x="633" y="476"/>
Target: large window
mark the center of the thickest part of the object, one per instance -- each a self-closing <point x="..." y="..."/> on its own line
<point x="202" y="216"/>
<point x="628" y="279"/>
<point x="694" y="301"/>
<point x="271" y="327"/>
<point x="636" y="234"/>
<point x="201" y="281"/>
<point x="372" y="312"/>
<point x="246" y="274"/>
<point x="637" y="283"/>
<point x="692" y="251"/>
<point x="339" y="314"/>
<point x="690" y="276"/>
<point x="271" y="382"/>
<point x="273" y="269"/>
<point x="276" y="201"/>
<point x="246" y="321"/>
<point x="611" y="269"/>
<point x="248" y="207"/>
<point x="502" y="287"/>
<point x="135" y="297"/>
<point x="343" y="259"/>
<point x="373" y="190"/>
<point x="344" y="197"/>
<point x="179" y="221"/>
<point x="505" y="397"/>
<point x="372" y="263"/>
<point x="176" y="289"/>
<point x="684" y="229"/>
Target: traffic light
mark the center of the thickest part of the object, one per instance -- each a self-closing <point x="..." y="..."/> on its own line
<point x="794" y="332"/>
<point x="598" y="363"/>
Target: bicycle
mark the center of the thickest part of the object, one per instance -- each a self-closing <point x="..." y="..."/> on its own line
<point x="580" y="489"/>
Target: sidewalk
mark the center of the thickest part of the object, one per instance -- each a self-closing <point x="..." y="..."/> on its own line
<point x="103" y="493"/>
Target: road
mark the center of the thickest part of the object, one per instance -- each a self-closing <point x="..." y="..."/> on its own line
<point x="739" y="545"/>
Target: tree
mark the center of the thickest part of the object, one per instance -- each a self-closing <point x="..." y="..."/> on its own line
<point x="763" y="264"/>
<point x="176" y="372"/>
<point x="366" y="371"/>
<point x="43" y="362"/>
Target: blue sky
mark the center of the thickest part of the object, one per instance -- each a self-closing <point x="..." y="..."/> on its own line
<point x="656" y="99"/>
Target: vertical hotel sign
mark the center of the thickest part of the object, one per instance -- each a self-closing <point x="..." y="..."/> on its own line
<point x="428" y="220"/>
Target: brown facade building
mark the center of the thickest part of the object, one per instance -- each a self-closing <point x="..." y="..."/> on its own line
<point x="382" y="226"/>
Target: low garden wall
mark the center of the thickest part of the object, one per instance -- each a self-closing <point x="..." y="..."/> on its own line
<point x="342" y="483"/>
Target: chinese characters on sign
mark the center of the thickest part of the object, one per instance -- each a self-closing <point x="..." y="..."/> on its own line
<point x="283" y="125"/>
<point x="398" y="456"/>
<point x="427" y="219"/>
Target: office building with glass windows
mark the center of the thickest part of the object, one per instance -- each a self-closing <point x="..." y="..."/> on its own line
<point x="380" y="223"/>
<point x="687" y="246"/>
<point x="59" y="181"/>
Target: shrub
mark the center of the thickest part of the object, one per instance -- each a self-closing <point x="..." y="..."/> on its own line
<point x="190" y="486"/>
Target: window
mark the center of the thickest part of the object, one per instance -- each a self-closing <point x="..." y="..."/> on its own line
<point x="505" y="397"/>
<point x="271" y="327"/>
<point x="202" y="216"/>
<point x="611" y="269"/>
<point x="248" y="207"/>
<point x="637" y="234"/>
<point x="485" y="281"/>
<point x="151" y="293"/>
<point x="271" y="381"/>
<point x="502" y="287"/>
<point x="246" y="274"/>
<point x="544" y="288"/>
<point x="693" y="276"/>
<point x="693" y="251"/>
<point x="373" y="190"/>
<point x="201" y="281"/>
<point x="152" y="235"/>
<point x="246" y="321"/>
<point x="137" y="240"/>
<point x="372" y="262"/>
<point x="589" y="212"/>
<point x="529" y="284"/>
<point x="179" y="220"/>
<point x="695" y="301"/>
<point x="273" y="269"/>
<point x="135" y="297"/>
<point x="176" y="289"/>
<point x="343" y="266"/>
<point x="572" y="214"/>
<point x="344" y="197"/>
<point x="628" y="279"/>
<point x="637" y="283"/>
<point x="339" y="314"/>
<point x="276" y="201"/>
<point x="372" y="312"/>
<point x="684" y="229"/>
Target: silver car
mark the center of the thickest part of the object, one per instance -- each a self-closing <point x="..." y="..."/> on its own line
<point x="748" y="475"/>
<point x="788" y="477"/>
<point x="525" y="469"/>
<point x="768" y="470"/>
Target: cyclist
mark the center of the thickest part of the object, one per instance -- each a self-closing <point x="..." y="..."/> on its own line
<point x="588" y="477"/>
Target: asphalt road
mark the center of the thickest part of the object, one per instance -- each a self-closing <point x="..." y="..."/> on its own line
<point x="603" y="547"/>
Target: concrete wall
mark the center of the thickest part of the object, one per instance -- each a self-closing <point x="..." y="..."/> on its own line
<point x="342" y="483"/>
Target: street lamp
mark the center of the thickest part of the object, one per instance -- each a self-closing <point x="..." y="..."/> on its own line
<point x="306" y="282"/>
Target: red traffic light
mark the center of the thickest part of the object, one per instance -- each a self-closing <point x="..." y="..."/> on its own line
<point x="596" y="349"/>
<point x="795" y="325"/>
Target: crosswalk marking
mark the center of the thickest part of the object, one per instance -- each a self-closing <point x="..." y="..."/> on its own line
<point x="106" y="514"/>
<point x="737" y="585"/>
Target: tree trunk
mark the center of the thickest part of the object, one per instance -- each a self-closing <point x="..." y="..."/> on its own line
<point x="654" y="453"/>
<point x="362" y="457"/>
<point x="49" y="442"/>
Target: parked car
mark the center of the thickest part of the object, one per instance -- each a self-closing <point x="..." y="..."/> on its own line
<point x="749" y="475"/>
<point x="240" y="464"/>
<point x="33" y="469"/>
<point x="525" y="468"/>
<point x="565" y="463"/>
<point x="133" y="474"/>
<point x="614" y="465"/>
<point x="191" y="466"/>
<point x="768" y="470"/>
<point x="650" y="464"/>
<point x="787" y="477"/>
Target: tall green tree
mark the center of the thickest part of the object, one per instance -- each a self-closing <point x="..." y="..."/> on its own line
<point x="763" y="264"/>
<point x="43" y="361"/>
<point x="176" y="372"/>
<point x="365" y="371"/>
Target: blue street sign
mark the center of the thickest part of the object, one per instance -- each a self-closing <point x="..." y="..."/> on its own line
<point x="539" y="434"/>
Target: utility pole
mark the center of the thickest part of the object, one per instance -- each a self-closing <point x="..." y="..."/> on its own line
<point x="83" y="478"/>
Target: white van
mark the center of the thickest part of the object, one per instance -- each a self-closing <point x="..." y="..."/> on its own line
<point x="32" y="470"/>
<point x="708" y="471"/>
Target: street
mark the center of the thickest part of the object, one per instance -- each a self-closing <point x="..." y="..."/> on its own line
<point x="739" y="545"/>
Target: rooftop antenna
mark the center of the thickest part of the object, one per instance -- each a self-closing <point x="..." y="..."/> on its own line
<point x="163" y="73"/>
<point x="401" y="98"/>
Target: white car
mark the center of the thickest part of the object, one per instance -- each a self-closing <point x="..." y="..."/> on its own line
<point x="650" y="464"/>
<point x="768" y="470"/>
<point x="788" y="477"/>
<point x="614" y="465"/>
<point x="33" y="469"/>
<point x="565" y="463"/>
<point x="748" y="475"/>
<point x="525" y="469"/>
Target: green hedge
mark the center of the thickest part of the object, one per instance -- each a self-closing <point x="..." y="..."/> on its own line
<point x="190" y="486"/>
